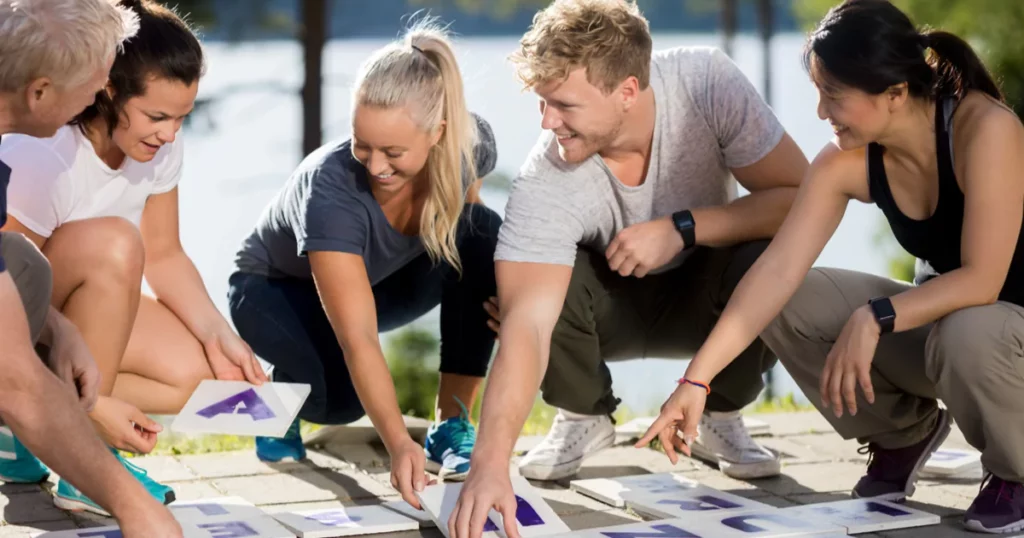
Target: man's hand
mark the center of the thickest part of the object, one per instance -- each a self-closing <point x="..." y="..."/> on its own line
<point x="72" y="362"/>
<point x="642" y="248"/>
<point x="123" y="426"/>
<point x="485" y="488"/>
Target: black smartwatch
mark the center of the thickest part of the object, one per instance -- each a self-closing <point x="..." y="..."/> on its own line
<point x="684" y="223"/>
<point x="884" y="313"/>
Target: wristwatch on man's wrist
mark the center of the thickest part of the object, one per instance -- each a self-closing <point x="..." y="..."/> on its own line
<point x="684" y="223"/>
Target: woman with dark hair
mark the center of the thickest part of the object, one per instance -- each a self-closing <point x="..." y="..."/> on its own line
<point x="100" y="200"/>
<point x="922" y="132"/>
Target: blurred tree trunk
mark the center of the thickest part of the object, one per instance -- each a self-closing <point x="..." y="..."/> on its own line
<point x="766" y="25"/>
<point x="313" y="34"/>
<point x="729" y="23"/>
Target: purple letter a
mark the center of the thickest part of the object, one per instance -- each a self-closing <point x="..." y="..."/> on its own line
<point x="243" y="403"/>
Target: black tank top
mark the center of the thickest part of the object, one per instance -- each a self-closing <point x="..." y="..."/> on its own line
<point x="935" y="241"/>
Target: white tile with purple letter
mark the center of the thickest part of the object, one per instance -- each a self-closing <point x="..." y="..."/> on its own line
<point x="217" y="509"/>
<point x="672" y="502"/>
<point x="865" y="515"/>
<point x="756" y="524"/>
<point x="346" y="521"/>
<point x="533" y="515"/>
<point x="953" y="463"/>
<point x="264" y="527"/>
<point x="239" y="408"/>
<point x="609" y="490"/>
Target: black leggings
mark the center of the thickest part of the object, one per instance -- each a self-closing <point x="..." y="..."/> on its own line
<point x="283" y="320"/>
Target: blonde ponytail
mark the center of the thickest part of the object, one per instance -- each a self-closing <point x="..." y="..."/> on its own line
<point x="421" y="72"/>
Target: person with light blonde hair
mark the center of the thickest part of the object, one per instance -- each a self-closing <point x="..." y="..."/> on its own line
<point x="54" y="56"/>
<point x="367" y="235"/>
<point x="623" y="238"/>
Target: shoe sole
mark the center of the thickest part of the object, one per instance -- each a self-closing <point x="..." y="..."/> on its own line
<point x="976" y="526"/>
<point x="741" y="471"/>
<point x="937" y="439"/>
<point x="556" y="472"/>
<point x="72" y="505"/>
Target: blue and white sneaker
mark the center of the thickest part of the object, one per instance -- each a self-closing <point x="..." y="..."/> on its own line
<point x="17" y="464"/>
<point x="68" y="497"/>
<point x="273" y="449"/>
<point x="449" y="446"/>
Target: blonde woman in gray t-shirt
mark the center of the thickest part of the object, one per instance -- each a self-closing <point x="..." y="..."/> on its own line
<point x="623" y="239"/>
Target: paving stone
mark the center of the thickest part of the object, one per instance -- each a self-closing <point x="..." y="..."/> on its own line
<point x="319" y="458"/>
<point x="86" y="520"/>
<point x="237" y="463"/>
<point x="305" y="486"/>
<point x="815" y="478"/>
<point x="362" y="431"/>
<point x="32" y="530"/>
<point x="195" y="491"/>
<point x="14" y="488"/>
<point x="29" y="508"/>
<point x="595" y="520"/>
<point x="785" y="424"/>
<point x="165" y="468"/>
<point x="364" y="456"/>
<point x="831" y="447"/>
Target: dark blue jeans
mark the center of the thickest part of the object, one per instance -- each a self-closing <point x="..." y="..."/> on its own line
<point x="283" y="320"/>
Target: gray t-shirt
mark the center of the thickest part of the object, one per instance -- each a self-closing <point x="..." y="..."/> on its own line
<point x="709" y="118"/>
<point x="327" y="205"/>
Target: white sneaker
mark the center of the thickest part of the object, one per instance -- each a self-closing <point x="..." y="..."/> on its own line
<point x="723" y="439"/>
<point x="571" y="439"/>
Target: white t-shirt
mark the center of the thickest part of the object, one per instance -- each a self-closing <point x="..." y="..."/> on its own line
<point x="61" y="179"/>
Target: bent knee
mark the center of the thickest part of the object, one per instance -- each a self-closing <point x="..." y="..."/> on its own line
<point x="112" y="245"/>
<point x="974" y="344"/>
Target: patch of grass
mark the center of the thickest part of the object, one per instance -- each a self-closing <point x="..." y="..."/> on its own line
<point x="785" y="404"/>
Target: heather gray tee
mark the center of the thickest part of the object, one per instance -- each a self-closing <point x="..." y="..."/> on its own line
<point x="327" y="205"/>
<point x="709" y="118"/>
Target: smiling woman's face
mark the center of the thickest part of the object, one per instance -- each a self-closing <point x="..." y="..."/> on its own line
<point x="150" y="120"/>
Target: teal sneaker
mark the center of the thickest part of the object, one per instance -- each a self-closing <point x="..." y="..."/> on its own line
<point x="68" y="497"/>
<point x="274" y="449"/>
<point x="17" y="464"/>
<point x="449" y="445"/>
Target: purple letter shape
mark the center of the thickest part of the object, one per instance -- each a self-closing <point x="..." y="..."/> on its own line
<point x="525" y="513"/>
<point x="243" y="403"/>
<point x="740" y="522"/>
<point x="112" y="533"/>
<point x="334" y="518"/>
<point x="233" y="529"/>
<point x="701" y="503"/>
<point x="885" y="509"/>
<point x="664" y="531"/>
<point x="207" y="509"/>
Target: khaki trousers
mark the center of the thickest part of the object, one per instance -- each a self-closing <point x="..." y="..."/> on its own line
<point x="32" y="276"/>
<point x="972" y="360"/>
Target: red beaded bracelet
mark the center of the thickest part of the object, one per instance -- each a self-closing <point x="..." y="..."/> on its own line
<point x="695" y="383"/>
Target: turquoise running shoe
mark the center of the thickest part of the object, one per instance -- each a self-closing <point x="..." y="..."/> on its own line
<point x="17" y="464"/>
<point x="68" y="497"/>
<point x="449" y="445"/>
<point x="274" y="449"/>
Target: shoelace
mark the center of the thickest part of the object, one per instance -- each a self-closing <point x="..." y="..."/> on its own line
<point x="732" y="431"/>
<point x="461" y="432"/>
<point x="1007" y="491"/>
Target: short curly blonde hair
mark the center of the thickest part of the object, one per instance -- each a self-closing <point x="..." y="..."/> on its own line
<point x="611" y="38"/>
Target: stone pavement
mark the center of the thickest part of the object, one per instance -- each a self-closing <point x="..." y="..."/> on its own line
<point x="345" y="470"/>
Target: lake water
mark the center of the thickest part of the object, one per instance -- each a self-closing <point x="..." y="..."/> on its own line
<point x="242" y="148"/>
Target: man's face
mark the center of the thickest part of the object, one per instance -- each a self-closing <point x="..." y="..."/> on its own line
<point x="583" y="118"/>
<point x="50" y="107"/>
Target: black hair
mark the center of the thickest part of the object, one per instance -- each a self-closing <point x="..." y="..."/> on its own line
<point x="165" y="47"/>
<point x="871" y="45"/>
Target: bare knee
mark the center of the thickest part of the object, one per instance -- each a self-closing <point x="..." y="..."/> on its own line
<point x="107" y="246"/>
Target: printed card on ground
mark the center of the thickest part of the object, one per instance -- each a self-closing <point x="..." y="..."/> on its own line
<point x="403" y="508"/>
<point x="953" y="463"/>
<point x="534" y="516"/>
<point x="673" y="503"/>
<point x="218" y="509"/>
<point x="865" y="515"/>
<point x="239" y="408"/>
<point x="755" y="524"/>
<point x="609" y="490"/>
<point x="263" y="527"/>
<point x="346" y="521"/>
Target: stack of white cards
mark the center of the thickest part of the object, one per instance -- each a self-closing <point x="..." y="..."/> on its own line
<point x="953" y="463"/>
<point x="354" y="521"/>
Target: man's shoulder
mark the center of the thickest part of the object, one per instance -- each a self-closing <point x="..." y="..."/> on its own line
<point x="686" y="61"/>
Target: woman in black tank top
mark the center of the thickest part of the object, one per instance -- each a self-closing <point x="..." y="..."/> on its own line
<point x="921" y="131"/>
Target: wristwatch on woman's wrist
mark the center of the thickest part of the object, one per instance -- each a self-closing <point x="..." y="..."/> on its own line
<point x="684" y="223"/>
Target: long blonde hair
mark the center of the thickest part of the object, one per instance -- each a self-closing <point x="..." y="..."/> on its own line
<point x="420" y="72"/>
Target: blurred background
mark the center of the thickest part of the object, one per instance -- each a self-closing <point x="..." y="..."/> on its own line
<point x="277" y="87"/>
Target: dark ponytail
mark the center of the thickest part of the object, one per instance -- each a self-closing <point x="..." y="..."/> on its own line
<point x="871" y="45"/>
<point x="164" y="47"/>
<point x="957" y="67"/>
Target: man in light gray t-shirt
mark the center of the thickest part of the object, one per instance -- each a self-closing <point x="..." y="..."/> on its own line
<point x="623" y="237"/>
